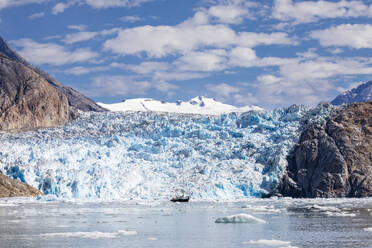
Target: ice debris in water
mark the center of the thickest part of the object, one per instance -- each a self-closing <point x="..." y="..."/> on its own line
<point x="240" y="218"/>
<point x="268" y="242"/>
<point x="149" y="156"/>
<point x="89" y="235"/>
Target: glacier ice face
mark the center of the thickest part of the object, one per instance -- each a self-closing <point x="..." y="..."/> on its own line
<point x="150" y="156"/>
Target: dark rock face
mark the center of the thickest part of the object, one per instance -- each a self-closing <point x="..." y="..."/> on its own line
<point x="363" y="93"/>
<point x="28" y="101"/>
<point x="75" y="99"/>
<point x="333" y="159"/>
<point x="13" y="188"/>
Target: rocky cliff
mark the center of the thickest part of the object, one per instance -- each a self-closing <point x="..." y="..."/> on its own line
<point x="333" y="159"/>
<point x="75" y="99"/>
<point x="27" y="100"/>
<point x="14" y="188"/>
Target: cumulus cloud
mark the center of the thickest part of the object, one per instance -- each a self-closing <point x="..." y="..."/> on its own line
<point x="193" y="34"/>
<point x="307" y="80"/>
<point x="350" y="35"/>
<point x="51" y="53"/>
<point x="13" y="3"/>
<point x="117" y="86"/>
<point x="312" y="11"/>
<point x="222" y="90"/>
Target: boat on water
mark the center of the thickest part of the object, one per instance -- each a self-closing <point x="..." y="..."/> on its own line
<point x="180" y="199"/>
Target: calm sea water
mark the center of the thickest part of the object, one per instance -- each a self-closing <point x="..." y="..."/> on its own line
<point x="289" y="223"/>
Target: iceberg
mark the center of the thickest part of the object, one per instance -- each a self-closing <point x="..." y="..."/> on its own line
<point x="240" y="218"/>
<point x="155" y="156"/>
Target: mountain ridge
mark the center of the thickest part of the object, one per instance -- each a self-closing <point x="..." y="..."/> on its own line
<point x="75" y="99"/>
<point x="362" y="93"/>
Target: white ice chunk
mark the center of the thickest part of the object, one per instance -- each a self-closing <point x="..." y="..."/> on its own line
<point x="240" y="218"/>
<point x="268" y="242"/>
<point x="89" y="235"/>
<point x="368" y="229"/>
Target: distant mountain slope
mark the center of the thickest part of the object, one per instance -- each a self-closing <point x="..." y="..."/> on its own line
<point x="75" y="99"/>
<point x="363" y="93"/>
<point x="197" y="105"/>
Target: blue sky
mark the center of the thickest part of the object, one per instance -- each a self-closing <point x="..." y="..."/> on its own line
<point x="269" y="53"/>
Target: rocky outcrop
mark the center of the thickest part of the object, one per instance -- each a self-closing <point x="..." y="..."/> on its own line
<point x="333" y="159"/>
<point x="28" y="101"/>
<point x="362" y="93"/>
<point x="14" y="188"/>
<point x="75" y="99"/>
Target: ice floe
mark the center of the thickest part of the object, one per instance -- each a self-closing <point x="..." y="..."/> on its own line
<point x="240" y="218"/>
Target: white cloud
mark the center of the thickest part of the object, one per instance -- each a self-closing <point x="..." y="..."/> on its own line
<point x="78" y="37"/>
<point x="145" y="68"/>
<point x="354" y="36"/>
<point x="81" y="70"/>
<point x="77" y="27"/>
<point x="102" y="4"/>
<point x="85" y="35"/>
<point x="13" y="3"/>
<point x="130" y="19"/>
<point x="209" y="60"/>
<point x="312" y="11"/>
<point x="37" y="15"/>
<point x="307" y="80"/>
<point x="232" y="14"/>
<point x="51" y="53"/>
<point x="191" y="35"/>
<point x="117" y="86"/>
<point x="61" y="7"/>
<point x="222" y="90"/>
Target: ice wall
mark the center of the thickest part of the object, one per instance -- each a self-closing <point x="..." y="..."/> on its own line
<point x="147" y="155"/>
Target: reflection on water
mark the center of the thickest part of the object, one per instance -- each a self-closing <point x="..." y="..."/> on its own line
<point x="289" y="223"/>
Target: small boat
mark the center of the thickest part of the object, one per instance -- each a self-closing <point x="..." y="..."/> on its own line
<point x="180" y="199"/>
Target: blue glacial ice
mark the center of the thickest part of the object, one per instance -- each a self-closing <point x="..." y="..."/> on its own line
<point x="155" y="156"/>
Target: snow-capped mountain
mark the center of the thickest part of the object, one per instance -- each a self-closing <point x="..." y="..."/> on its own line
<point x="362" y="93"/>
<point x="197" y="105"/>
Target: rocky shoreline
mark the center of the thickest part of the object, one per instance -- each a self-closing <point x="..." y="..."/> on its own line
<point x="14" y="188"/>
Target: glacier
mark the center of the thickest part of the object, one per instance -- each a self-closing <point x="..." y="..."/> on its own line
<point x="155" y="156"/>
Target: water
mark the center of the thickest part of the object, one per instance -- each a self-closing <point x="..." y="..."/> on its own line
<point x="289" y="223"/>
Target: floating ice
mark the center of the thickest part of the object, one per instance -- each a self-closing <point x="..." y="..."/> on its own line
<point x="262" y="209"/>
<point x="240" y="218"/>
<point x="268" y="242"/>
<point x="368" y="229"/>
<point x="89" y="235"/>
<point x="155" y="156"/>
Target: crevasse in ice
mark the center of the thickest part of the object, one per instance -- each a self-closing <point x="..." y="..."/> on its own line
<point x="150" y="156"/>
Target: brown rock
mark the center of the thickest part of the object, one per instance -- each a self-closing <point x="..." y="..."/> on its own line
<point x="75" y="99"/>
<point x="13" y="188"/>
<point x="334" y="159"/>
<point x="27" y="101"/>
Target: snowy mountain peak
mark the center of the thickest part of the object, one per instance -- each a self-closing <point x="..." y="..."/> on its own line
<point x="362" y="93"/>
<point x="197" y="105"/>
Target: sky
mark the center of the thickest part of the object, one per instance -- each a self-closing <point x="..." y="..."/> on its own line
<point x="270" y="53"/>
